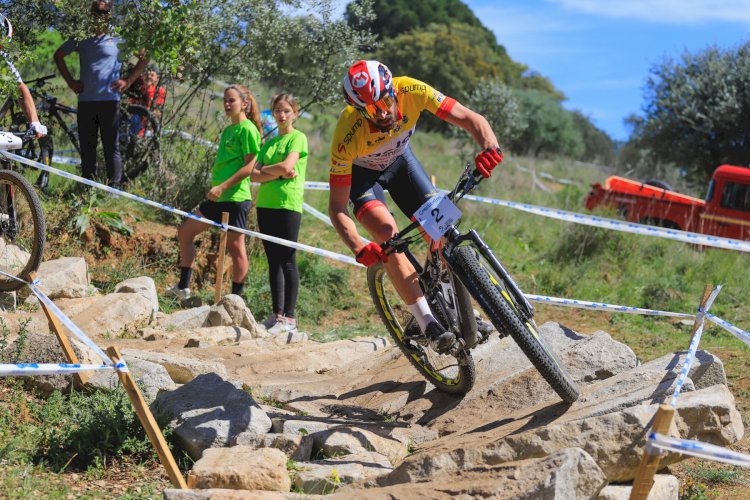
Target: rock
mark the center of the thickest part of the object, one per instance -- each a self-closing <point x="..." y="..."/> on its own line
<point x="209" y="412"/>
<point x="221" y="494"/>
<point x="345" y="440"/>
<point x="182" y="369"/>
<point x="150" y="377"/>
<point x="114" y="313"/>
<point x="241" y="467"/>
<point x="295" y="427"/>
<point x="295" y="446"/>
<point x="665" y="487"/>
<point x="325" y="476"/>
<point x="144" y="286"/>
<point x="66" y="277"/>
<point x="205" y="336"/>
<point x="184" y="319"/>
<point x="7" y="301"/>
<point x="568" y="473"/>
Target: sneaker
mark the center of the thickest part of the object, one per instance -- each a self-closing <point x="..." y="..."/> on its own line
<point x="284" y="326"/>
<point x="272" y="319"/>
<point x="177" y="293"/>
<point x="440" y="339"/>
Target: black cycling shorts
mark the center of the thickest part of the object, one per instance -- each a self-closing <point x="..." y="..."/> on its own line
<point x="237" y="211"/>
<point x="405" y="180"/>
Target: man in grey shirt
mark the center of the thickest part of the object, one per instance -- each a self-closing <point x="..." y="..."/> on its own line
<point x="99" y="89"/>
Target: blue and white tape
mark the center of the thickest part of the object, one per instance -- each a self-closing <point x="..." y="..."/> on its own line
<point x="698" y="449"/>
<point x="737" y="332"/>
<point x="693" y="344"/>
<point x="300" y="246"/>
<point x="616" y="225"/>
<point x="317" y="214"/>
<point x="600" y="306"/>
<point x="37" y="369"/>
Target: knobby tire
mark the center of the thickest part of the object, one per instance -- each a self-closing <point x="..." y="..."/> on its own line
<point x="499" y="305"/>
<point x="398" y="321"/>
<point x="21" y="251"/>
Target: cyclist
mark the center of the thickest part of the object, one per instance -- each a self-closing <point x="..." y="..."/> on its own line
<point x="27" y="102"/>
<point x="370" y="151"/>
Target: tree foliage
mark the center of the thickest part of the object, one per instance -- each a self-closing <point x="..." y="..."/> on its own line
<point x="550" y="128"/>
<point x="494" y="100"/>
<point x="698" y="110"/>
<point x="296" y="43"/>
<point x="598" y="147"/>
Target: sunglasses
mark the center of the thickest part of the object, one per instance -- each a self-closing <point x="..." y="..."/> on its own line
<point x="384" y="105"/>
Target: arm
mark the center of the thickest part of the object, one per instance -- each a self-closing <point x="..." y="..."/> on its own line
<point x="345" y="227"/>
<point x="474" y="123"/>
<point x="29" y="109"/>
<point x="122" y="85"/>
<point x="215" y="192"/>
<point x="75" y="85"/>
<point x="283" y="169"/>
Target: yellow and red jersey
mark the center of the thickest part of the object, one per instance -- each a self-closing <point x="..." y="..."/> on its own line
<point x="356" y="141"/>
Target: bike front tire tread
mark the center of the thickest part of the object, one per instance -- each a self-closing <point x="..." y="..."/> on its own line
<point x="504" y="316"/>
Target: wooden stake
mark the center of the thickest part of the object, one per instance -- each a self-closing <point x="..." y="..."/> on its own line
<point x="220" y="259"/>
<point x="79" y="379"/>
<point x="644" y="476"/>
<point x="149" y="423"/>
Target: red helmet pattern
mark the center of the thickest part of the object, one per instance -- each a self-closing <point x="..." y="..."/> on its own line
<point x="367" y="82"/>
<point x="6" y="30"/>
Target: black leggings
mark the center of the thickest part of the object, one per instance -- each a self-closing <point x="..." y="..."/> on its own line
<point x="282" y="260"/>
<point x="100" y="117"/>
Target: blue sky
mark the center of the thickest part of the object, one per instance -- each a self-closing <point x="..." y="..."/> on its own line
<point x="599" y="52"/>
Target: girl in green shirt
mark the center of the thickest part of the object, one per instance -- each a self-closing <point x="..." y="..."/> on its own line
<point x="230" y="191"/>
<point x="280" y="169"/>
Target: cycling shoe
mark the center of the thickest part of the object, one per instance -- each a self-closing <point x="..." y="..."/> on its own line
<point x="440" y="339"/>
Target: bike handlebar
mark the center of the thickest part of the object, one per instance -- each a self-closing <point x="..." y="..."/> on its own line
<point x="41" y="79"/>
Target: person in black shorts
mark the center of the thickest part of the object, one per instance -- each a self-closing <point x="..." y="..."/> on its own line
<point x="230" y="191"/>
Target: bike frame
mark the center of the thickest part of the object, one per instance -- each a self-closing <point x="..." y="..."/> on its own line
<point x="452" y="239"/>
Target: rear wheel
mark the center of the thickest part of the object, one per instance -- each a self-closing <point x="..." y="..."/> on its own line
<point x="22" y="230"/>
<point x="139" y="141"/>
<point x="447" y="373"/>
<point x="498" y="303"/>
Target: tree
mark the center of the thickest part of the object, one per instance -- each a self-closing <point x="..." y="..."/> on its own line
<point x="598" y="146"/>
<point x="698" y="110"/>
<point x="494" y="100"/>
<point x="550" y="128"/>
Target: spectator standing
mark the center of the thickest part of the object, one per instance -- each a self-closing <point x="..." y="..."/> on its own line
<point x="230" y="191"/>
<point x="99" y="89"/>
<point x="280" y="169"/>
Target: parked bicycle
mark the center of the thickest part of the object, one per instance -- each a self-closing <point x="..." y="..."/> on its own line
<point x="139" y="131"/>
<point x="22" y="225"/>
<point x="460" y="269"/>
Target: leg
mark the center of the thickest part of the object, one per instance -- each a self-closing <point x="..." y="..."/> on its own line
<point x="87" y="138"/>
<point x="292" y="221"/>
<point x="189" y="229"/>
<point x="236" y="249"/>
<point x="268" y="224"/>
<point x="109" y="123"/>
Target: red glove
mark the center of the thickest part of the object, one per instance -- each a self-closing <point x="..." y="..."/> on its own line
<point x="371" y="254"/>
<point x="487" y="160"/>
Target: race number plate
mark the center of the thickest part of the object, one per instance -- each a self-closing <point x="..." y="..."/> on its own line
<point x="437" y="214"/>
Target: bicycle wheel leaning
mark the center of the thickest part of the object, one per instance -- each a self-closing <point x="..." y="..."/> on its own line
<point x="445" y="372"/>
<point x="497" y="301"/>
<point x="139" y="140"/>
<point x="22" y="230"/>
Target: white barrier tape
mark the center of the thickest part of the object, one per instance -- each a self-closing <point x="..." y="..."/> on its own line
<point x="737" y="332"/>
<point x="600" y="306"/>
<point x="698" y="449"/>
<point x="693" y="344"/>
<point x="122" y="367"/>
<point x="67" y="322"/>
<point x="37" y="369"/>
<point x="317" y="186"/>
<point x="317" y="214"/>
<point x="61" y="316"/>
<point x="191" y="137"/>
<point x="628" y="227"/>
<point x="65" y="160"/>
<point x="299" y="246"/>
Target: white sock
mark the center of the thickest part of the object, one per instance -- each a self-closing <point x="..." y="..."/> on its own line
<point x="421" y="312"/>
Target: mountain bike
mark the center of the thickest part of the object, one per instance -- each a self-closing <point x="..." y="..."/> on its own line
<point x="22" y="225"/>
<point x="461" y="268"/>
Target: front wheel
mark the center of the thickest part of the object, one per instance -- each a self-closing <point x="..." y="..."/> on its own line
<point x="21" y="230"/>
<point x="493" y="295"/>
<point x="445" y="372"/>
<point x="139" y="141"/>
